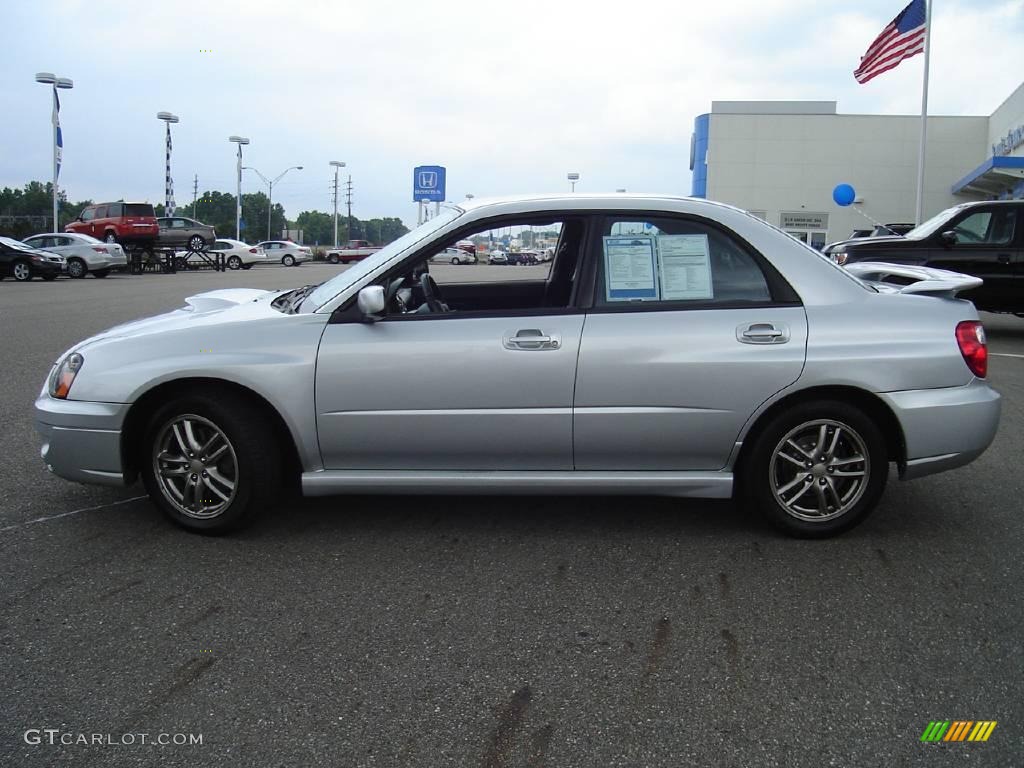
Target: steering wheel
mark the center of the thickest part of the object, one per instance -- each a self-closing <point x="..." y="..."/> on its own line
<point x="431" y="293"/>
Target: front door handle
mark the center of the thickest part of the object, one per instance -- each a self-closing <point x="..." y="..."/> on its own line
<point x="530" y="339"/>
<point x="762" y="333"/>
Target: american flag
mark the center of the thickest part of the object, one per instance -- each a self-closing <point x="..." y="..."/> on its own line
<point x="903" y="38"/>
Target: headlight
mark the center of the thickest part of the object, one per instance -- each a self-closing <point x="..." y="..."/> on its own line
<point x="64" y="375"/>
<point x="839" y="257"/>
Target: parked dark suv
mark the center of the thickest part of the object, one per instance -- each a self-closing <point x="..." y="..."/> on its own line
<point x="983" y="239"/>
<point x="121" y="222"/>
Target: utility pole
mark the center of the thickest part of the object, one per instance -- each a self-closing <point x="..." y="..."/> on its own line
<point x="195" y="194"/>
<point x="348" y="202"/>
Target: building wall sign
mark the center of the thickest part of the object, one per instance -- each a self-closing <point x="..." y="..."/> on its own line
<point x="803" y="220"/>
<point x="1013" y="139"/>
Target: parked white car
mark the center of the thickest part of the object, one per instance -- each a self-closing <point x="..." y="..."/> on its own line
<point x="454" y="255"/>
<point x="288" y="253"/>
<point x="497" y="257"/>
<point x="239" y="255"/>
<point x="84" y="253"/>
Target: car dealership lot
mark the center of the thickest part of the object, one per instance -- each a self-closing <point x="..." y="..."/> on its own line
<point x="497" y="632"/>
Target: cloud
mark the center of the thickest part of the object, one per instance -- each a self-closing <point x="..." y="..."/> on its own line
<point x="509" y="96"/>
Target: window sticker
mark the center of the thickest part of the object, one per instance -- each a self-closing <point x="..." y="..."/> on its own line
<point x="684" y="266"/>
<point x="629" y="267"/>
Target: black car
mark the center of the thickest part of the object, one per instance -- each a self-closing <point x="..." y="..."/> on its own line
<point x="23" y="262"/>
<point x="983" y="239"/>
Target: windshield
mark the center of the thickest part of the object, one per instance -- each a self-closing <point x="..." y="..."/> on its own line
<point x="933" y="224"/>
<point x="336" y="285"/>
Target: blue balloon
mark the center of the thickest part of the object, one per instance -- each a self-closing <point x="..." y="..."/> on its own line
<point x="844" y="194"/>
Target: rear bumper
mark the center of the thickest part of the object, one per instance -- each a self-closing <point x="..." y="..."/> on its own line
<point x="945" y="428"/>
<point x="81" y="440"/>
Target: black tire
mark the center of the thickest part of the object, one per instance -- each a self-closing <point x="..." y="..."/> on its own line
<point x="455" y="261"/>
<point x="288" y="260"/>
<point x="196" y="243"/>
<point x="110" y="237"/>
<point x="77" y="268"/>
<point x="332" y="258"/>
<point x="859" y="436"/>
<point x="21" y="270"/>
<point x="234" y="262"/>
<point x="257" y="460"/>
<point x="100" y="273"/>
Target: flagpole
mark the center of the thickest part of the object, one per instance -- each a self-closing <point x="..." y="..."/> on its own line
<point x="924" y="113"/>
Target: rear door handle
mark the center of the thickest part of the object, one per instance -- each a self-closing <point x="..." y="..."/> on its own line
<point x="762" y="333"/>
<point x="528" y="339"/>
<point x="1003" y="258"/>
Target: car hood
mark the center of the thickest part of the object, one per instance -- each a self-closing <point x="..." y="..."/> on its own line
<point x="228" y="305"/>
<point x="868" y="242"/>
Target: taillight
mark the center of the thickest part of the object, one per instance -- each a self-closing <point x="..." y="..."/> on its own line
<point x="970" y="336"/>
<point x="99" y="248"/>
<point x="253" y="250"/>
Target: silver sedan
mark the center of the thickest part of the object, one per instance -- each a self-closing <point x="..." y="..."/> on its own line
<point x="675" y="346"/>
<point x="84" y="254"/>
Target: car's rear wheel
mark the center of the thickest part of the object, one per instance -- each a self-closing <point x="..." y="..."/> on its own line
<point x="196" y="243"/>
<point x="332" y="258"/>
<point x="77" y="268"/>
<point x="110" y="237"/>
<point x="211" y="466"/>
<point x="455" y="260"/>
<point x="100" y="273"/>
<point x="816" y="469"/>
<point x="288" y="260"/>
<point x="234" y="262"/>
<point x="22" y="271"/>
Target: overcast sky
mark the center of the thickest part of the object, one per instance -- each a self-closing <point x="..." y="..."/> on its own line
<point x="508" y="95"/>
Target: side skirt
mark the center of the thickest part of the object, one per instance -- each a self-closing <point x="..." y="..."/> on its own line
<point x="329" y="482"/>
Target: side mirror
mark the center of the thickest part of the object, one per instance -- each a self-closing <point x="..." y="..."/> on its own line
<point x="371" y="303"/>
<point x="948" y="237"/>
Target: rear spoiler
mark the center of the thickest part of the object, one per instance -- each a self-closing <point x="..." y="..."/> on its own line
<point x="892" y="278"/>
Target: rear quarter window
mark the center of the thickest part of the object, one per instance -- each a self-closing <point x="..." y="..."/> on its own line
<point x="138" y="209"/>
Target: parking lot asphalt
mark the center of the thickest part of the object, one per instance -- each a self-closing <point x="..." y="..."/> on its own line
<point x="460" y="631"/>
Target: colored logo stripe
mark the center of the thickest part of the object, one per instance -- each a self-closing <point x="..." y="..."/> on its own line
<point x="958" y="730"/>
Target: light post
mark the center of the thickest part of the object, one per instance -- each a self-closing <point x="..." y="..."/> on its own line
<point x="168" y="118"/>
<point x="337" y="164"/>
<point x="48" y="78"/>
<point x="239" y="140"/>
<point x="270" y="189"/>
<point x="620" y="190"/>
<point x="573" y="178"/>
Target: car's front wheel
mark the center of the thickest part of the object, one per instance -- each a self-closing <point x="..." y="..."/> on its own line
<point x="210" y="466"/>
<point x="816" y="469"/>
<point x="288" y="260"/>
<point x="22" y="271"/>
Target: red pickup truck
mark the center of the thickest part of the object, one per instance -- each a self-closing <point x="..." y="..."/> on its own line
<point x="120" y="222"/>
<point x="355" y="250"/>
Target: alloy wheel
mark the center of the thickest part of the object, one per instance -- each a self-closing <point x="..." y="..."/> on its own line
<point x="22" y="271"/>
<point x="819" y="470"/>
<point x="195" y="466"/>
<point x="76" y="268"/>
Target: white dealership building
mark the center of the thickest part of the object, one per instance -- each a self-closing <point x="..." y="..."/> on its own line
<point x="781" y="160"/>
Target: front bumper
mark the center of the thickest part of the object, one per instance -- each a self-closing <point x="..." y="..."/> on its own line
<point x="81" y="440"/>
<point x="945" y="428"/>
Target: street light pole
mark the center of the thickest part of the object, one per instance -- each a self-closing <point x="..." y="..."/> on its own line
<point x="337" y="164"/>
<point x="63" y="83"/>
<point x="270" y="188"/>
<point x="168" y="118"/>
<point x="239" y="140"/>
<point x="573" y="178"/>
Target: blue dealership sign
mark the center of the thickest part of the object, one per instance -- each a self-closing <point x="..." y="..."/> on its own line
<point x="428" y="183"/>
